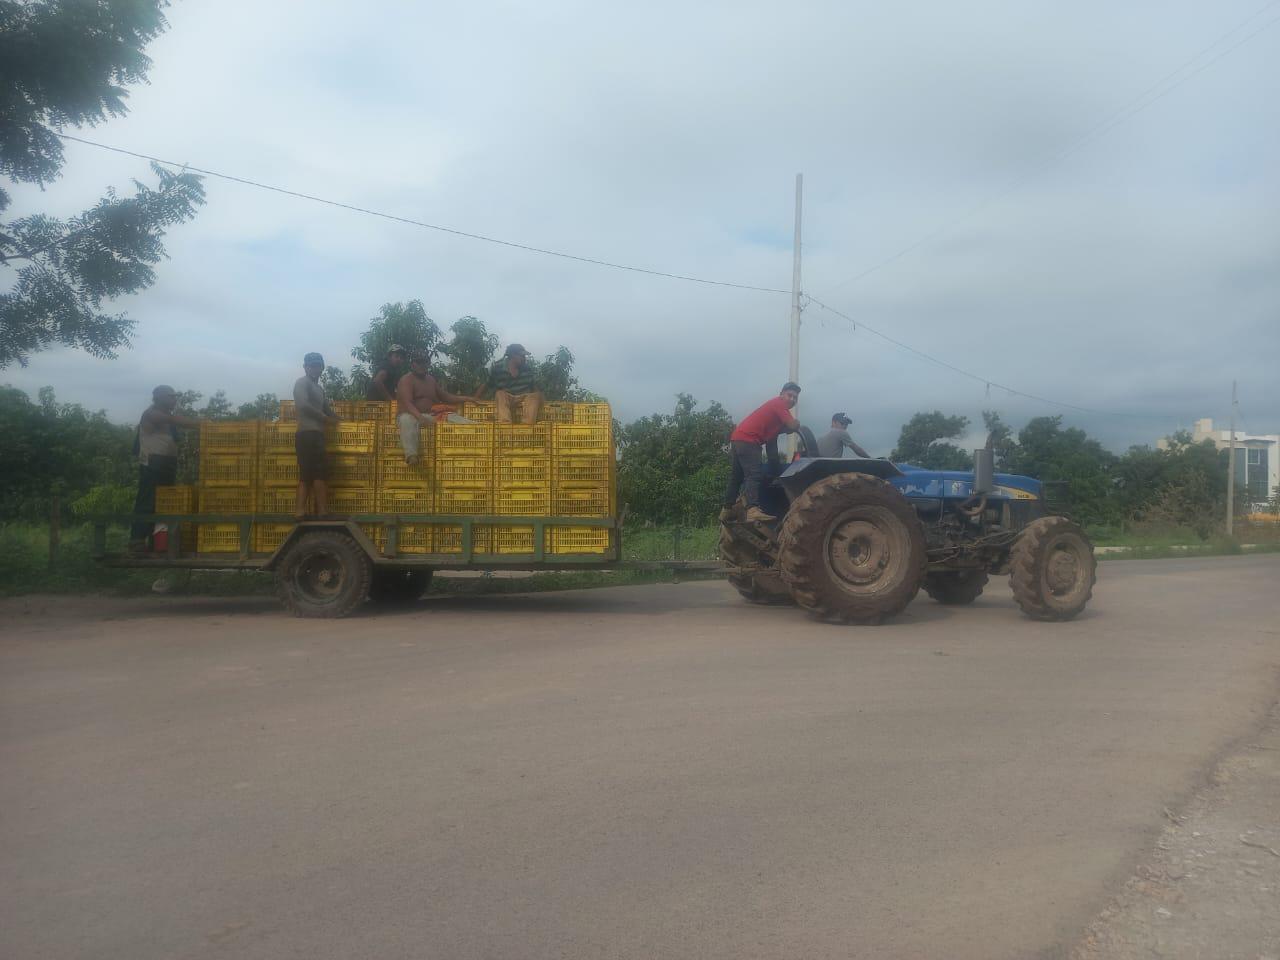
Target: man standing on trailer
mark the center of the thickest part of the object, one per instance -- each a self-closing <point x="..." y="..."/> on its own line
<point x="422" y="400"/>
<point x="313" y="411"/>
<point x="157" y="450"/>
<point x="760" y="428"/>
<point x="510" y="378"/>
<point x="833" y="442"/>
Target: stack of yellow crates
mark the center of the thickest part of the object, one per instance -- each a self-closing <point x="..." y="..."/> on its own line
<point x="179" y="499"/>
<point x="563" y="467"/>
<point x="228" y="470"/>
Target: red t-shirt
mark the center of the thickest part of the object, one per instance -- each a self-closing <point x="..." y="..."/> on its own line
<point x="764" y="423"/>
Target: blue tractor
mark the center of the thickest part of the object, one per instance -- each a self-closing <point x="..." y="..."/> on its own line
<point x="855" y="540"/>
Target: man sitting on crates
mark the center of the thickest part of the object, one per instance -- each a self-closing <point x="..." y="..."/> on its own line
<point x="511" y="381"/>
<point x="422" y="400"/>
<point x="156" y="447"/>
<point x="313" y="411"/>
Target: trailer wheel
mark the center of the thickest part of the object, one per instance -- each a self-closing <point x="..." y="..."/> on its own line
<point x="398" y="584"/>
<point x="323" y="574"/>
<point x="1052" y="569"/>
<point x="955" y="587"/>
<point x="852" y="550"/>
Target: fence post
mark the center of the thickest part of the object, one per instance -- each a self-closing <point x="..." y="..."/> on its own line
<point x="55" y="530"/>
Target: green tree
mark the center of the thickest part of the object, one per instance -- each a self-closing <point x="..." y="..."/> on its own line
<point x="921" y="442"/>
<point x="218" y="407"/>
<point x="468" y="355"/>
<point x="65" y="63"/>
<point x="400" y="325"/>
<point x="1001" y="436"/>
<point x="1048" y="452"/>
<point x="338" y="385"/>
<point x="674" y="468"/>
<point x="265" y="407"/>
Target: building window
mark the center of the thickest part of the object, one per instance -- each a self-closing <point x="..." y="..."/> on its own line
<point x="1255" y="457"/>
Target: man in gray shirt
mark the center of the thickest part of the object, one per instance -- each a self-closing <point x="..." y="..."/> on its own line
<point x="313" y="411"/>
<point x="833" y="442"/>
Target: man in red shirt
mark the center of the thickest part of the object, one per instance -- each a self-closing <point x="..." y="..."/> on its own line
<point x="760" y="428"/>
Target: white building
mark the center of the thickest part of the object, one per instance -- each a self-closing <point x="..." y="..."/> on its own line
<point x="1257" y="457"/>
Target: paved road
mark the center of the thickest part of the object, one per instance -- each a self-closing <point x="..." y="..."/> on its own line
<point x="627" y="773"/>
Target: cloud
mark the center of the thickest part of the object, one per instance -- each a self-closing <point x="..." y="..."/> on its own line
<point x="1137" y="276"/>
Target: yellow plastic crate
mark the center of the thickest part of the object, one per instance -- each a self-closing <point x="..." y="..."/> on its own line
<point x="277" y="437"/>
<point x="176" y="499"/>
<point x="465" y="470"/>
<point x="522" y="440"/>
<point x="350" y="436"/>
<point x="464" y="440"/>
<point x="595" y="469"/>
<point x="231" y="500"/>
<point x="351" y="499"/>
<point x="510" y="539"/>
<point x="398" y="473"/>
<point x="523" y="500"/>
<point x="524" y="470"/>
<point x="571" y="439"/>
<point x="344" y="409"/>
<point x="227" y="469"/>
<point x="390" y="447"/>
<point x="235" y="436"/>
<point x="404" y="500"/>
<point x="376" y="410"/>
<point x="481" y="411"/>
<point x="278" y="470"/>
<point x="448" y="539"/>
<point x="288" y="411"/>
<point x="581" y="500"/>
<point x="463" y="499"/>
<point x="592" y="414"/>
<point x="267" y="537"/>
<point x="350" y="469"/>
<point x="556" y="411"/>
<point x="411" y="538"/>
<point x="220" y="538"/>
<point x="567" y="540"/>
<point x="277" y="500"/>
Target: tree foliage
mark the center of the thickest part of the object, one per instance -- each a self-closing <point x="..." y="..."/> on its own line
<point x="922" y="442"/>
<point x="65" y="63"/>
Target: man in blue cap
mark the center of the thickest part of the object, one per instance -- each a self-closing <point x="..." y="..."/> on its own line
<point x="313" y="411"/>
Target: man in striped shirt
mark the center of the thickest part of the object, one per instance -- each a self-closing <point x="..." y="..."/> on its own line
<point x="511" y="381"/>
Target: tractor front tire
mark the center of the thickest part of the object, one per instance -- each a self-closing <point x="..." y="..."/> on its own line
<point x="955" y="587"/>
<point x="1052" y="569"/>
<point x="763" y="586"/>
<point x="323" y="574"/>
<point x="398" y="585"/>
<point x="852" y="550"/>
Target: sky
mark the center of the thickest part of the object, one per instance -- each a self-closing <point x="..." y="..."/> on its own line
<point x="954" y="150"/>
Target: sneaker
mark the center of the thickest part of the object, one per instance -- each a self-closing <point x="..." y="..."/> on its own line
<point x="726" y="514"/>
<point x="756" y="515"/>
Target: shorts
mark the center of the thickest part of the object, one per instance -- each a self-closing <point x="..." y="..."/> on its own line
<point x="309" y="446"/>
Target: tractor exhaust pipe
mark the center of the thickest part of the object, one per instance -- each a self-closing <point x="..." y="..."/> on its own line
<point x="984" y="469"/>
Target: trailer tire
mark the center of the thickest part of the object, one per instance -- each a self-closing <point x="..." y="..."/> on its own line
<point x="955" y="587"/>
<point x="852" y="550"/>
<point x="398" y="584"/>
<point x="323" y="574"/>
<point x="1052" y="569"/>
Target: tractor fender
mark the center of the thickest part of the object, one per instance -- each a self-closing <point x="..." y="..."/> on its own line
<point x="805" y="472"/>
<point x="307" y="526"/>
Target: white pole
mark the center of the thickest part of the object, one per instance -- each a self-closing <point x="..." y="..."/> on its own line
<point x="1231" y="466"/>
<point x="793" y="369"/>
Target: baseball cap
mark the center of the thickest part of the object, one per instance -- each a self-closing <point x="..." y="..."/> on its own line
<point x="311" y="358"/>
<point x="516" y="350"/>
<point x="842" y="418"/>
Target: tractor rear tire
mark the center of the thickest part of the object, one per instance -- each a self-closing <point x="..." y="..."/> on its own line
<point x="755" y="586"/>
<point x="323" y="574"/>
<point x="398" y="585"/>
<point x="955" y="587"/>
<point x="852" y="550"/>
<point x="1052" y="569"/>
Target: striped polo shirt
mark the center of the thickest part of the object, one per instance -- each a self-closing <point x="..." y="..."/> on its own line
<point x="500" y="378"/>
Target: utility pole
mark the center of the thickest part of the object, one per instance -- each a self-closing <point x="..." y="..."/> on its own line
<point x="793" y="370"/>
<point x="1231" y="467"/>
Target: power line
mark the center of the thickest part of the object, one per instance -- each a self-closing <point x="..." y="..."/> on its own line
<point x="1156" y="91"/>
<point x="421" y="223"/>
<point x="859" y="325"/>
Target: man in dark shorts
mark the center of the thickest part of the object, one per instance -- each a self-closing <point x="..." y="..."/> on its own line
<point x="382" y="386"/>
<point x="760" y="428"/>
<point x="511" y="381"/>
<point x="157" y="448"/>
<point x="313" y="411"/>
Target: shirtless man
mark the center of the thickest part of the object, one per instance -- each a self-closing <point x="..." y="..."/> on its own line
<point x="422" y="400"/>
<point x="157" y="457"/>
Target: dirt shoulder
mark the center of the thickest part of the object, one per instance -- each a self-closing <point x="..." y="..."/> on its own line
<point x="1211" y="885"/>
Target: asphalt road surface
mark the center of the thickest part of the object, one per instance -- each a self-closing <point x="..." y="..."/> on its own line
<point x="640" y="772"/>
